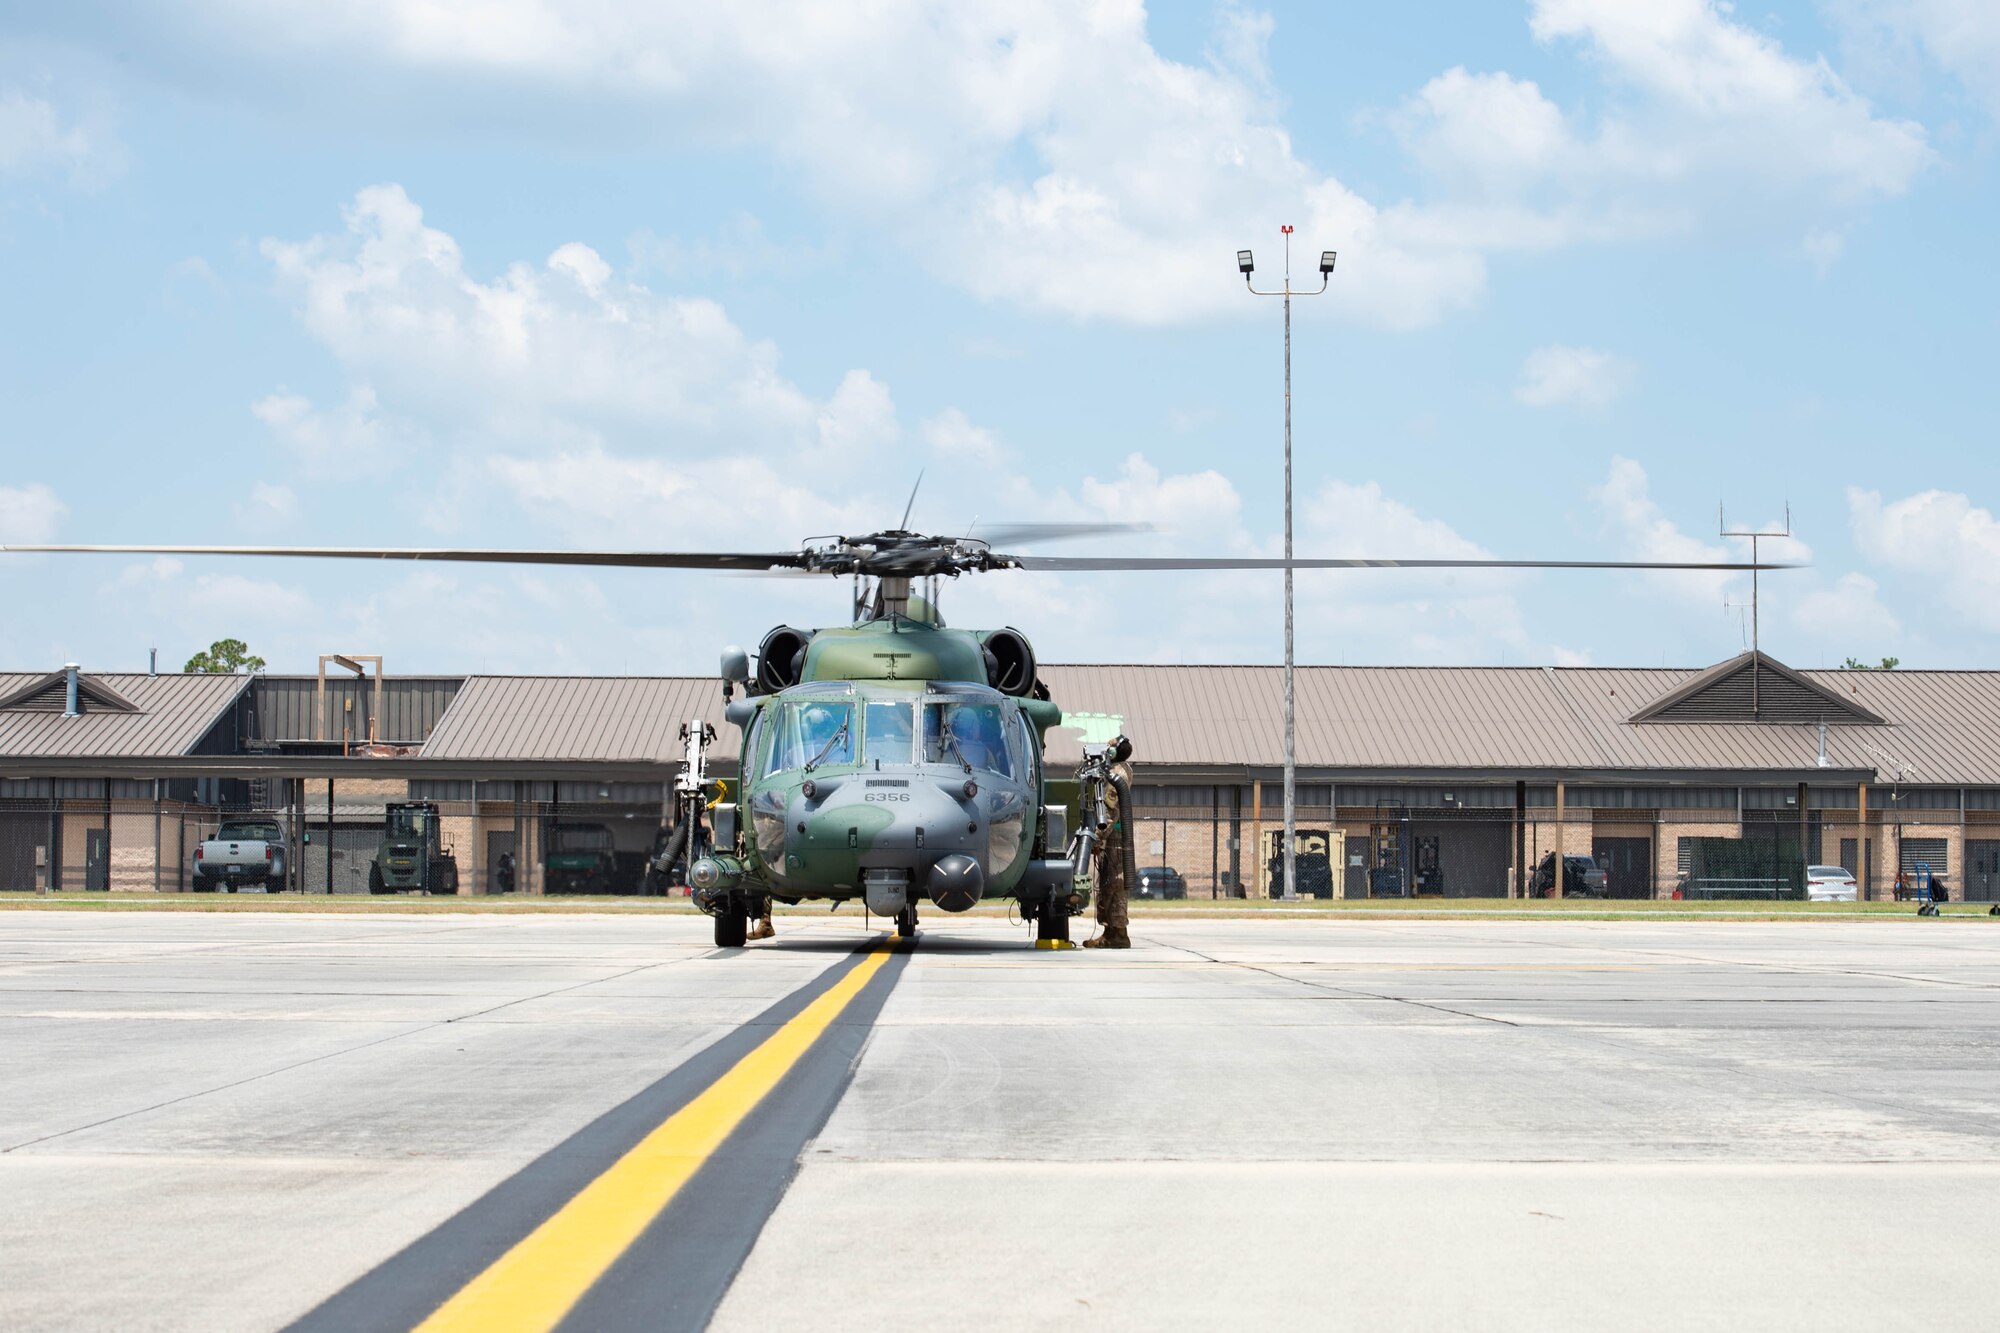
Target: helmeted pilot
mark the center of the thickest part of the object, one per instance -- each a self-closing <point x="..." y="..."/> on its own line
<point x="970" y="741"/>
<point x="822" y="725"/>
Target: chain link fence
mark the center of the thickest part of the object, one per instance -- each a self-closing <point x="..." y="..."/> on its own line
<point x="1222" y="841"/>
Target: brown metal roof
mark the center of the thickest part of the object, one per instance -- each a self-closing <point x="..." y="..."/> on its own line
<point x="611" y="718"/>
<point x="173" y="713"/>
<point x="1942" y="726"/>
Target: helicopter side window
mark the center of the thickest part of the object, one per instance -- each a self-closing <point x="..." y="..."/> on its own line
<point x="754" y="758"/>
<point x="812" y="734"/>
<point x="967" y="733"/>
<point x="891" y="732"/>
<point x="1019" y="746"/>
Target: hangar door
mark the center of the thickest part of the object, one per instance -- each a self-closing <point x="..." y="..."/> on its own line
<point x="21" y="831"/>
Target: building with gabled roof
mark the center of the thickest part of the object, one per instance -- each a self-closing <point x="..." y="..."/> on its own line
<point x="1458" y="779"/>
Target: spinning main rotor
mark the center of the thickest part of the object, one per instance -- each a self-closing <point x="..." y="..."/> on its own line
<point x="891" y="554"/>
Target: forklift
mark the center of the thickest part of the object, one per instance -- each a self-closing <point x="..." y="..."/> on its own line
<point x="412" y="854"/>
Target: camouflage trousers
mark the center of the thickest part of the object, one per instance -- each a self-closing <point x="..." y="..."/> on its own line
<point x="1111" y="891"/>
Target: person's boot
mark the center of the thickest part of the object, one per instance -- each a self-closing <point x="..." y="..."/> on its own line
<point x="1111" y="937"/>
<point x="763" y="930"/>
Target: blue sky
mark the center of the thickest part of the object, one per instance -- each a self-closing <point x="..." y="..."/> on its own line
<point x="630" y="275"/>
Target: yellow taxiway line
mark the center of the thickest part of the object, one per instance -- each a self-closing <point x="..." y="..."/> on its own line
<point x="535" y="1284"/>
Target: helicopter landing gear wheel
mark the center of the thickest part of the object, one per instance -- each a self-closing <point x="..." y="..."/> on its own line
<point x="906" y="924"/>
<point x="732" y="923"/>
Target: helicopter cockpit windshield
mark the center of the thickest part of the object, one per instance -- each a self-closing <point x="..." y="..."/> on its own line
<point x="892" y="736"/>
<point x="975" y="735"/>
<point x="810" y="733"/>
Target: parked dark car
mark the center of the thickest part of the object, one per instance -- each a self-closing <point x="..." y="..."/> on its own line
<point x="1582" y="878"/>
<point x="1159" y="882"/>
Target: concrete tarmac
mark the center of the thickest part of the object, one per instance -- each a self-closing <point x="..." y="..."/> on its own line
<point x="214" y="1121"/>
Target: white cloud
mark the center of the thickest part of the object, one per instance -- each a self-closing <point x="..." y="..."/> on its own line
<point x="1849" y="613"/>
<point x="1404" y="615"/>
<point x="740" y="246"/>
<point x="1735" y="99"/>
<point x="33" y="137"/>
<point x="1941" y="536"/>
<point x="525" y="381"/>
<point x="1960" y="36"/>
<point x="1046" y="154"/>
<point x="858" y="419"/>
<point x="30" y="514"/>
<point x="1053" y="156"/>
<point x="1822" y="248"/>
<point x="353" y="435"/>
<point x="1643" y="531"/>
<point x="393" y="300"/>
<point x="267" y="507"/>
<point x="208" y="606"/>
<point x="1704" y="121"/>
<point x="959" y="443"/>
<point x="1572" y="376"/>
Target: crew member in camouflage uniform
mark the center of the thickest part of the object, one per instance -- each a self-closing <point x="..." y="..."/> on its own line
<point x="761" y="928"/>
<point x="1111" y="887"/>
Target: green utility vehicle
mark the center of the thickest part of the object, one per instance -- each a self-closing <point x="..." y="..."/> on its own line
<point x="581" y="859"/>
<point x="412" y="854"/>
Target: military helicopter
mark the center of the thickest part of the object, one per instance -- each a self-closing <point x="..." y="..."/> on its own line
<point x="893" y="759"/>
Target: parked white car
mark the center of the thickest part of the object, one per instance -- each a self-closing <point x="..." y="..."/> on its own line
<point x="1831" y="884"/>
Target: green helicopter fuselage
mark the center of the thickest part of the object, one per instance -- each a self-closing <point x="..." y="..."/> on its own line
<point x="888" y="765"/>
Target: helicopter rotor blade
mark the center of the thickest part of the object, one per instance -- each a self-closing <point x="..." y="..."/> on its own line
<point x="1021" y="534"/>
<point x="1063" y="563"/>
<point x="727" y="560"/>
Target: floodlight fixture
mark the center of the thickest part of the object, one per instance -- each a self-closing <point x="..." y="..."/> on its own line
<point x="1244" y="264"/>
<point x="1326" y="258"/>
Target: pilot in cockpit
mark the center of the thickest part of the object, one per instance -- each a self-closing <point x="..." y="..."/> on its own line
<point x="969" y="740"/>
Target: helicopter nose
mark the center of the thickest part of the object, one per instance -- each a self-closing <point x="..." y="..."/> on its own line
<point x="956" y="882"/>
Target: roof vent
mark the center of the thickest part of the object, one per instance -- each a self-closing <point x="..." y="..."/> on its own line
<point x="69" y="692"/>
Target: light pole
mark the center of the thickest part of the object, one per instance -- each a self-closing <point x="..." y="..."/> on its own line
<point x="1246" y="265"/>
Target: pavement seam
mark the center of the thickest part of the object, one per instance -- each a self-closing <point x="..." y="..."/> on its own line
<point x="318" y="1059"/>
<point x="1346" y="992"/>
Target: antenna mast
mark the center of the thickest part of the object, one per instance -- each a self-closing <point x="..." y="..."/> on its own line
<point x="1756" y="650"/>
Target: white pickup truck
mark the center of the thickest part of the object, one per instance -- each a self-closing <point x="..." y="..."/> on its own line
<point x="242" y="852"/>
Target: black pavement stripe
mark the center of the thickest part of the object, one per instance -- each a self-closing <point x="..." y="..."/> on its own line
<point x="682" y="1265"/>
<point x="403" y="1290"/>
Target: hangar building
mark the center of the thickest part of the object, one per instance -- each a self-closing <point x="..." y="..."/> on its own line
<point x="1447" y="780"/>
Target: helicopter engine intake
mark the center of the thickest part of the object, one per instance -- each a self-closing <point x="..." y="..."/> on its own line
<point x="1010" y="662"/>
<point x="781" y="658"/>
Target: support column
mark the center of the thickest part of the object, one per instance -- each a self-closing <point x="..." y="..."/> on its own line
<point x="1257" y="832"/>
<point x="1519" y="887"/>
<point x="329" y="835"/>
<point x="1556" y="866"/>
<point x="1864" y="864"/>
<point x="1805" y="829"/>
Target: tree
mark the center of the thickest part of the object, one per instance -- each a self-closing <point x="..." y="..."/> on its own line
<point x="224" y="657"/>
<point x="1856" y="664"/>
